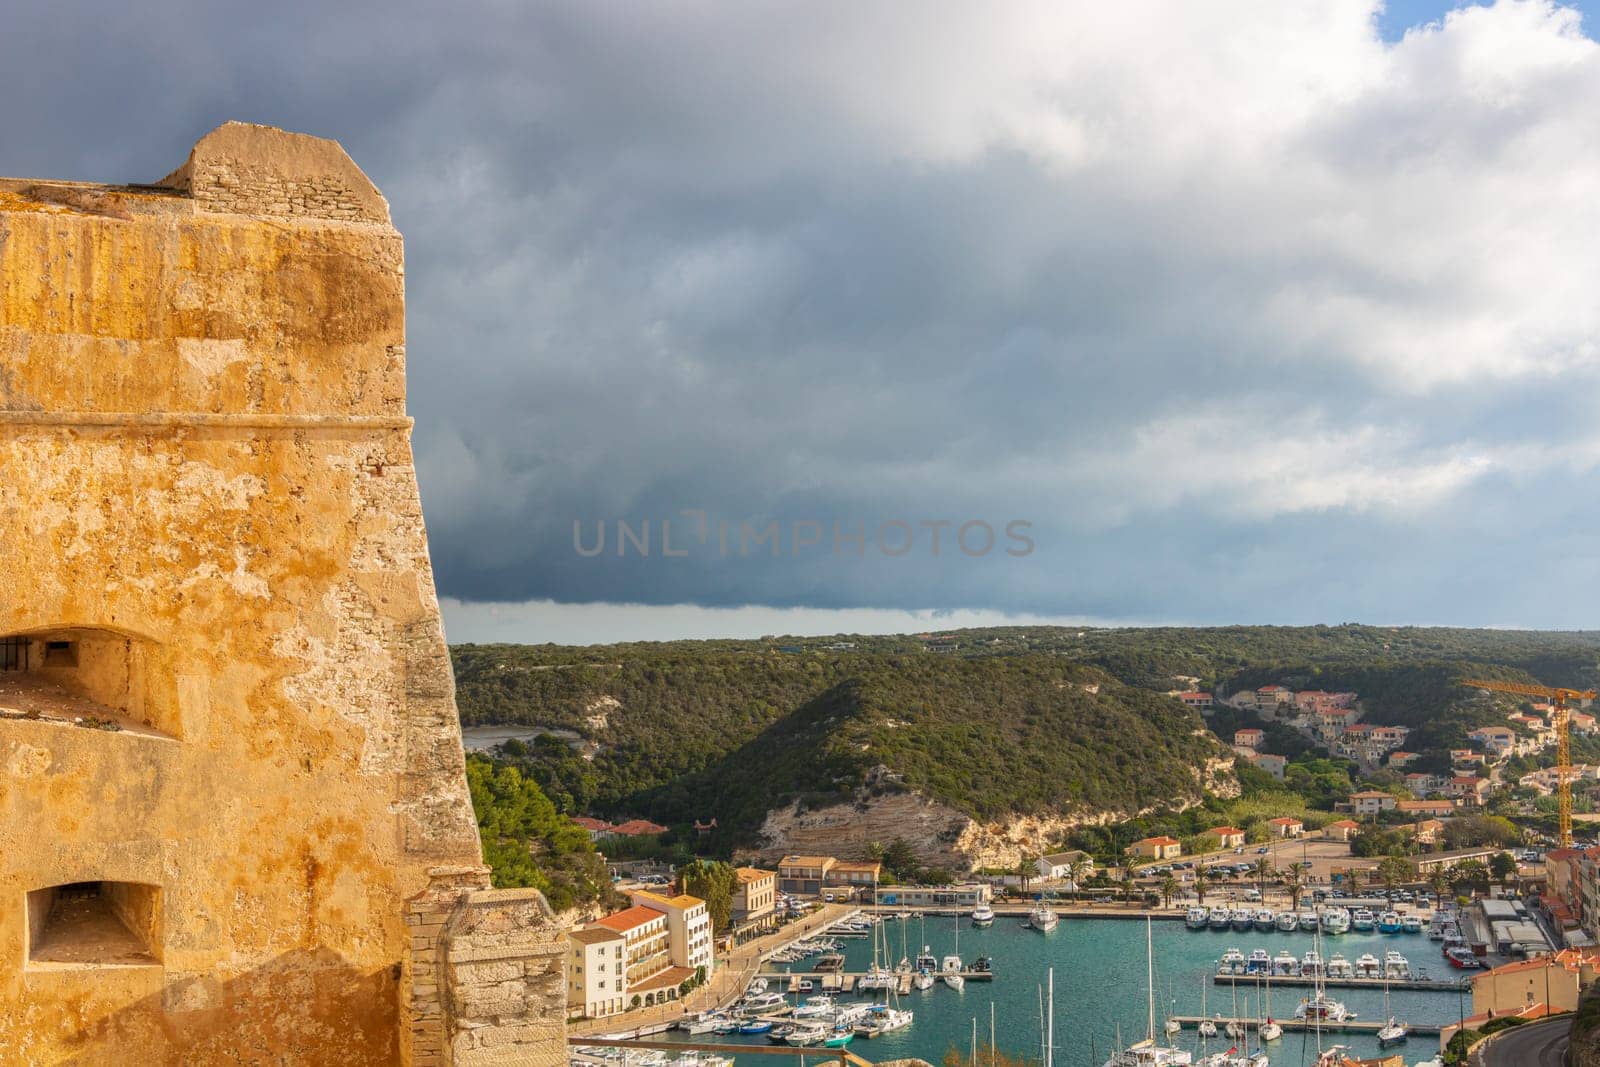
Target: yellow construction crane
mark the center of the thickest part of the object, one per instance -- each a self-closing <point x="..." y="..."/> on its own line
<point x="1560" y="716"/>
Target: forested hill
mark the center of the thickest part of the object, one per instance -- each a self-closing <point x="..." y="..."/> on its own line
<point x="988" y="721"/>
<point x="693" y="732"/>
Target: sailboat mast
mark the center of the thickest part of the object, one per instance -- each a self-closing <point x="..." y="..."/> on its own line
<point x="1050" y="1023"/>
<point x="1150" y="979"/>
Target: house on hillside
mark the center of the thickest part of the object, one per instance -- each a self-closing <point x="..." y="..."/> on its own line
<point x="1469" y="789"/>
<point x="1439" y="808"/>
<point x="1343" y="830"/>
<point x="1201" y="702"/>
<point x="1156" y="848"/>
<point x="1058" y="865"/>
<point x="638" y="828"/>
<point x="596" y="828"/>
<point x="1225" y="836"/>
<point x="1372" y="802"/>
<point x="1286" y="826"/>
<point x="804" y="874"/>
<point x="1250" y="737"/>
<point x="1399" y="758"/>
<point x="1270" y="762"/>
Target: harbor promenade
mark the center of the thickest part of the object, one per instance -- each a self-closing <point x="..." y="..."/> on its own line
<point x="726" y="984"/>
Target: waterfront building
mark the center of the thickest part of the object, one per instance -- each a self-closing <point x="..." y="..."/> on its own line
<point x="804" y="874"/>
<point x="1286" y="826"/>
<point x="1156" y="848"/>
<point x="755" y="894"/>
<point x="966" y="895"/>
<point x="1058" y="865"/>
<point x="596" y="983"/>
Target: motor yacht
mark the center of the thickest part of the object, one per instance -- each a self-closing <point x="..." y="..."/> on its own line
<point x="1287" y="921"/>
<point x="1232" y="962"/>
<point x="1241" y="919"/>
<point x="1195" y="918"/>
<point x="983" y="915"/>
<point x="1258" y="962"/>
<point x="1284" y="963"/>
<point x="1219" y="919"/>
<point x="1367" y="966"/>
<point x="1361" y="919"/>
<point x="1043" y="919"/>
<point x="1389" y="922"/>
<point x="1339" y="967"/>
<point x="1265" y="920"/>
<point x="1323" y="1007"/>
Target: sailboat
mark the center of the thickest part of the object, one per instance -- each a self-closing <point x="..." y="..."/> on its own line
<point x="1392" y="1032"/>
<point x="1147" y="1053"/>
<point x="1207" y="1027"/>
<point x="1319" y="1007"/>
<point x="1173" y="1025"/>
<point x="1269" y="1030"/>
<point x="1236" y="1027"/>
<point x="884" y="1018"/>
<point x="951" y="969"/>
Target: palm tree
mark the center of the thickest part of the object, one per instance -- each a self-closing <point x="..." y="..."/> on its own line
<point x="1079" y="872"/>
<point x="1025" y="871"/>
<point x="1294" y="880"/>
<point x="1169" y="888"/>
<point x="1438" y="880"/>
<point x="1264" y="870"/>
<point x="1202" y="882"/>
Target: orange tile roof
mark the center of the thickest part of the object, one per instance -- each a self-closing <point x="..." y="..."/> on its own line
<point x="1284" y="820"/>
<point x="805" y="861"/>
<point x="628" y="918"/>
<point x="1157" y="841"/>
<point x="752" y="874"/>
<point x="1344" y="823"/>
<point x="1224" y="831"/>
<point x="588" y="935"/>
<point x="638" y="827"/>
<point x="666" y="979"/>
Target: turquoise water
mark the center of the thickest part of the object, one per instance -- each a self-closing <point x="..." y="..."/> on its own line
<point x="1100" y="986"/>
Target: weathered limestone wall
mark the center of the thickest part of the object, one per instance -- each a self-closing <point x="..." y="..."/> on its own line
<point x="205" y="461"/>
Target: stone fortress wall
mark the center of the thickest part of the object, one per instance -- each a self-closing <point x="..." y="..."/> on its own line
<point x="234" y="824"/>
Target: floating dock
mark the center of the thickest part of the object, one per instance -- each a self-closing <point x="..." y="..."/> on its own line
<point x="1426" y="985"/>
<point x="1301" y="1026"/>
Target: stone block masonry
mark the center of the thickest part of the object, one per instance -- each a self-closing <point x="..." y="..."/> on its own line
<point x="234" y="822"/>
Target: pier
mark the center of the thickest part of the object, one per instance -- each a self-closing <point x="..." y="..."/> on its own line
<point x="845" y="982"/>
<point x="1302" y="1026"/>
<point x="1426" y="985"/>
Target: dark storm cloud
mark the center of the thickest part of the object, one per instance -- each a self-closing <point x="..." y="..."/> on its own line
<point x="1252" y="317"/>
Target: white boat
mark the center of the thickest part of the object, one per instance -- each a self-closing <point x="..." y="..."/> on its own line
<point x="983" y="915"/>
<point x="1241" y="919"/>
<point x="1392" y="1032"/>
<point x="1195" y="918"/>
<point x="1334" y="920"/>
<point x="1219" y="919"/>
<point x="1284" y="963"/>
<point x="1396" y="967"/>
<point x="1323" y="1007"/>
<point x="1208" y="1028"/>
<point x="1258" y="962"/>
<point x="756" y="988"/>
<point x="952" y="965"/>
<point x="1232" y="962"/>
<point x="1287" y="921"/>
<point x="1361" y="919"/>
<point x="1389" y="922"/>
<point x="1410" y="924"/>
<point x="924" y="980"/>
<point x="1173" y="1027"/>
<point x="761" y="1003"/>
<point x="1339" y="967"/>
<point x="878" y="978"/>
<point x="811" y="1033"/>
<point x="1270" y="1031"/>
<point x="927" y="961"/>
<point x="885" y="1021"/>
<point x="703" y="1022"/>
<point x="1043" y="919"/>
<point x="1311" y="964"/>
<point x="1308" y="920"/>
<point x="1149" y="1054"/>
<point x="954" y="981"/>
<point x="1265" y="920"/>
<point x="819" y="1006"/>
<point x="1367" y="966"/>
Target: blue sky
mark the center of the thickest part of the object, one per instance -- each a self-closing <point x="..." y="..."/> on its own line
<point x="1252" y="310"/>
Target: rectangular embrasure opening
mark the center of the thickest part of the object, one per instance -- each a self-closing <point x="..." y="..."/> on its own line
<point x="95" y="923"/>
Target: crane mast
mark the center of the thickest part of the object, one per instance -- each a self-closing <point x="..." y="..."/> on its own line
<point x="1561" y="719"/>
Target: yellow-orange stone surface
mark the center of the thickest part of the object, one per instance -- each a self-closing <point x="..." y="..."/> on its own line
<point x="242" y="732"/>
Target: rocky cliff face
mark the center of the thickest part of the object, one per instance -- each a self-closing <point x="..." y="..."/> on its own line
<point x="940" y="835"/>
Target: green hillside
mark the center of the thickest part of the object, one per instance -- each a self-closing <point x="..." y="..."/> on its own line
<point x="989" y="721"/>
